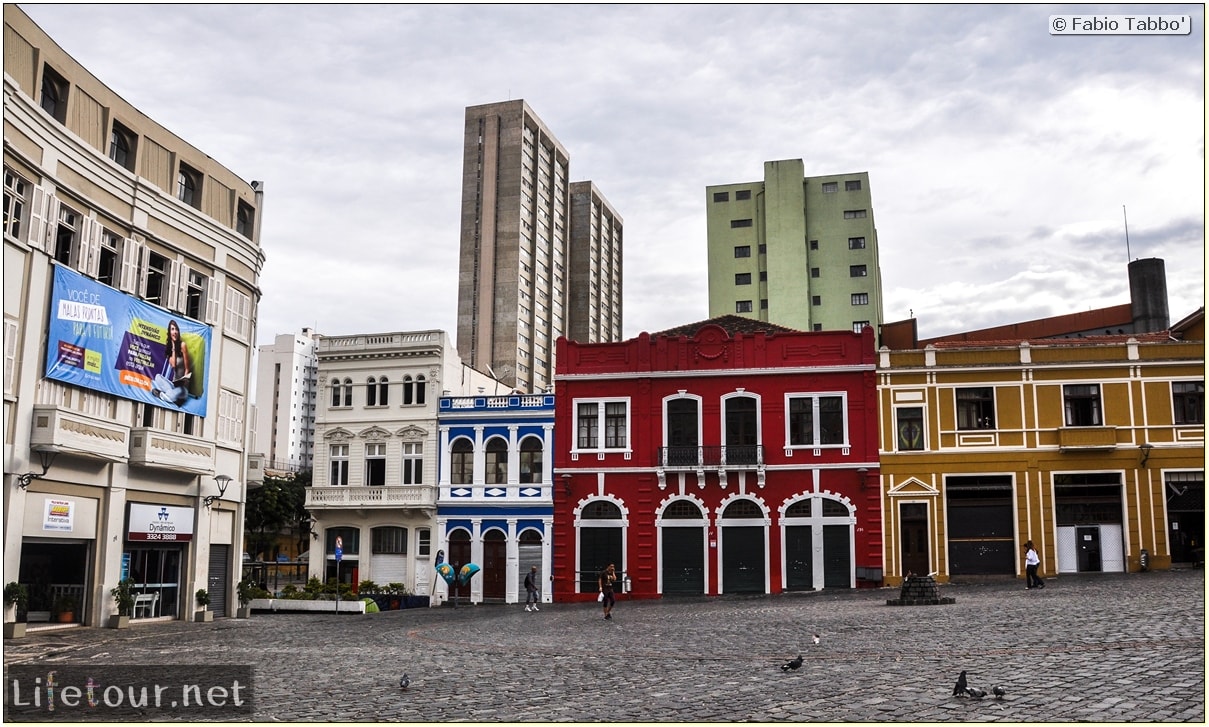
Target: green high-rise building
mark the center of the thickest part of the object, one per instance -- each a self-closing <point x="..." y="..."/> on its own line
<point x="793" y="250"/>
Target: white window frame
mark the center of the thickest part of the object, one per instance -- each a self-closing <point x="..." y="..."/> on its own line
<point x="12" y="330"/>
<point x="413" y="463"/>
<point x="923" y="423"/>
<point x="230" y="417"/>
<point x="815" y="397"/>
<point x="239" y="314"/>
<point x="338" y="458"/>
<point x="600" y="425"/>
<point x="23" y="201"/>
<point x="375" y="452"/>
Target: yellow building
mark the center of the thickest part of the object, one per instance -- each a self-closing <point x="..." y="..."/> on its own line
<point x="1093" y="448"/>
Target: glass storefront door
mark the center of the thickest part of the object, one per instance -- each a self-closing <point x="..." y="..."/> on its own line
<point x="157" y="580"/>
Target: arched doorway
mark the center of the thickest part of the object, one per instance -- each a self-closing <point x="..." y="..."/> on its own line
<point x="529" y="554"/>
<point x="743" y="549"/>
<point x="495" y="564"/>
<point x="600" y="530"/>
<point x="799" y="547"/>
<point x="818" y="544"/>
<point x="682" y="530"/>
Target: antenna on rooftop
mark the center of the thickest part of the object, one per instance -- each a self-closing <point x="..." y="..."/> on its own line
<point x="1126" y="216"/>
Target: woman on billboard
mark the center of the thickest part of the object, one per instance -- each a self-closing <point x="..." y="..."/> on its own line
<point x="172" y="385"/>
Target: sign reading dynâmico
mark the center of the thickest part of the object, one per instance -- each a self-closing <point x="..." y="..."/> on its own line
<point x="105" y="340"/>
<point x="160" y="523"/>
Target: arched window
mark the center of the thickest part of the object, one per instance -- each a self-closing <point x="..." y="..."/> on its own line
<point x="348" y="392"/>
<point x="186" y="186"/>
<point x="742" y="509"/>
<point x="119" y="147"/>
<point x="371" y="391"/>
<point x="336" y="392"/>
<point x="461" y="462"/>
<point x="383" y="389"/>
<point x="742" y="430"/>
<point x="682" y="510"/>
<point x="497" y="461"/>
<point x="531" y="460"/>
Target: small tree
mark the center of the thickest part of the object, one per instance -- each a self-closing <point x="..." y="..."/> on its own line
<point x="16" y="597"/>
<point x="123" y="596"/>
<point x="16" y="594"/>
<point x="202" y="598"/>
<point x="246" y="590"/>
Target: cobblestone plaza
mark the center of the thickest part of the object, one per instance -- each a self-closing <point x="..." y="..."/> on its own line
<point x="1110" y="648"/>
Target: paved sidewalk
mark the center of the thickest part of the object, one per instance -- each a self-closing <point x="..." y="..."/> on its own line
<point x="1102" y="648"/>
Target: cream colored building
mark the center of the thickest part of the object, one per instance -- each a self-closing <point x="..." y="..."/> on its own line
<point x="107" y="210"/>
<point x="375" y="481"/>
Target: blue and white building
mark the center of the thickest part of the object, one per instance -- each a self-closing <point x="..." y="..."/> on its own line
<point x="495" y="507"/>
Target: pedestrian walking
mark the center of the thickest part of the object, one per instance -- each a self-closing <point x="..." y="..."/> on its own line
<point x="607" y="577"/>
<point x="531" y="589"/>
<point x="1031" y="563"/>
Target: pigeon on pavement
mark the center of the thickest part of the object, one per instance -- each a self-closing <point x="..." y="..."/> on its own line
<point x="816" y="638"/>
<point x="976" y="693"/>
<point x="959" y="689"/>
<point x="792" y="665"/>
<point x="998" y="692"/>
<point x="404" y="682"/>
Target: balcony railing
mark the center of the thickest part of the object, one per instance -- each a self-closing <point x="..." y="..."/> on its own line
<point x="735" y="456"/>
<point x="371" y="497"/>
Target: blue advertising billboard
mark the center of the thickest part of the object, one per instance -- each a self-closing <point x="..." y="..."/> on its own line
<point x="108" y="341"/>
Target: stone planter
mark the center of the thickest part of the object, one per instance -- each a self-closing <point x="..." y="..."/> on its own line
<point x="119" y="622"/>
<point x="203" y="616"/>
<point x="276" y="605"/>
<point x="243" y="612"/>
<point x="14" y="630"/>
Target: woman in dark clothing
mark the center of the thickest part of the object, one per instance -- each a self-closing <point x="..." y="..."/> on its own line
<point x="607" y="577"/>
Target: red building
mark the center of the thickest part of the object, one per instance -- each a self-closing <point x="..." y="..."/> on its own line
<point x="727" y="456"/>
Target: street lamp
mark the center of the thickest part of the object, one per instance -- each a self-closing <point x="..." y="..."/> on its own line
<point x="1145" y="447"/>
<point x="46" y="457"/>
<point x="223" y="481"/>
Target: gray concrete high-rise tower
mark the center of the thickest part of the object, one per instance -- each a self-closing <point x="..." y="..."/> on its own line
<point x="540" y="257"/>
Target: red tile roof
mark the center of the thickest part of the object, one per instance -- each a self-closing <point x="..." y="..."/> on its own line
<point x="1159" y="337"/>
<point x="732" y="324"/>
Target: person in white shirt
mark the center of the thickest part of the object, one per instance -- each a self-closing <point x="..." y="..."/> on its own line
<point x="1031" y="562"/>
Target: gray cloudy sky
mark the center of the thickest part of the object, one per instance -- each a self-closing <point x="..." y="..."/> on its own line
<point x="1000" y="157"/>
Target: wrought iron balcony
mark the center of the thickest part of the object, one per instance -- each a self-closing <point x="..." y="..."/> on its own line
<point x="732" y="456"/>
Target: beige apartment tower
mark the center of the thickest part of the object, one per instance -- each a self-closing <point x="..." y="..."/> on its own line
<point x="540" y="257"/>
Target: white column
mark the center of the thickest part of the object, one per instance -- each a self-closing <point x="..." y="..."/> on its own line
<point x="476" y="554"/>
<point x="512" y="560"/>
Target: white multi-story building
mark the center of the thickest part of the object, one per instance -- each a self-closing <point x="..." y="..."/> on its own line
<point x="286" y="391"/>
<point x="374" y="483"/>
<point x="131" y="278"/>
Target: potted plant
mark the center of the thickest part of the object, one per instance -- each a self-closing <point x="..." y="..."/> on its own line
<point x="16" y="596"/>
<point x="246" y="590"/>
<point x="203" y="615"/>
<point x="65" y="607"/>
<point x="123" y="597"/>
